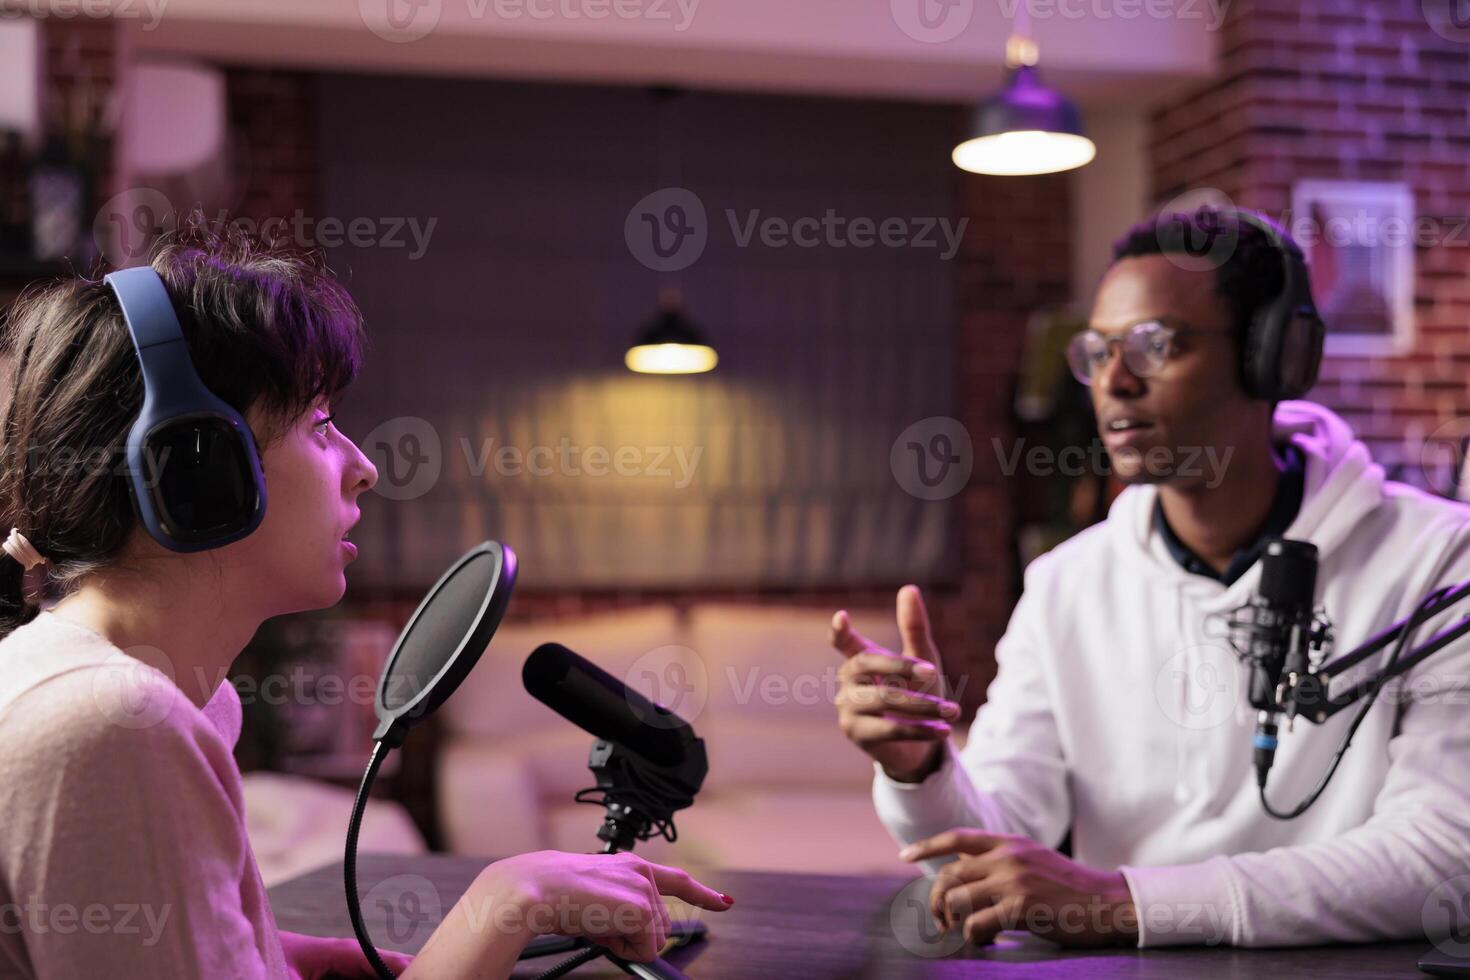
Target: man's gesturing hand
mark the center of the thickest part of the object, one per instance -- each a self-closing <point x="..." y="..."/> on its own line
<point x="888" y="704"/>
<point x="1006" y="881"/>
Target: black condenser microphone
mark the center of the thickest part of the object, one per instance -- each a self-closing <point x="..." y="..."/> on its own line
<point x="597" y="702"/>
<point x="1276" y="635"/>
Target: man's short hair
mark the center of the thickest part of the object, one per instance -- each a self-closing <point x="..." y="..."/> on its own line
<point x="1248" y="274"/>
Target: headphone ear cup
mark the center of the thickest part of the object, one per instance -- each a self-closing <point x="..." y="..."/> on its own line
<point x="1257" y="359"/>
<point x="1281" y="360"/>
<point x="1301" y="354"/>
<point x="1282" y="348"/>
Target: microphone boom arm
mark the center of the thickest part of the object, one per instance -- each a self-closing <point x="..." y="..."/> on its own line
<point x="1309" y="697"/>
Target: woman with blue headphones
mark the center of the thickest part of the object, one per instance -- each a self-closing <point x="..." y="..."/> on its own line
<point x="168" y="456"/>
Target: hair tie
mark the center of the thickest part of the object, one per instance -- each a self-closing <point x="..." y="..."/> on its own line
<point x="19" y="547"/>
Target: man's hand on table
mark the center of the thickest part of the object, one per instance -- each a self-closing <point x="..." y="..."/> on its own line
<point x="1006" y="881"/>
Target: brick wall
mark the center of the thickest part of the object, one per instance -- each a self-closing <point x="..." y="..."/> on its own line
<point x="272" y="118"/>
<point x="1016" y="258"/>
<point x="1368" y="91"/>
<point x="79" y="75"/>
<point x="79" y="62"/>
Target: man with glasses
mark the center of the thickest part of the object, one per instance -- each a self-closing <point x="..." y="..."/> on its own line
<point x="1119" y="712"/>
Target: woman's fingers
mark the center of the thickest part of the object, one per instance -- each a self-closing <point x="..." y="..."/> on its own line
<point x="645" y="943"/>
<point x="651" y="933"/>
<point x="678" y="883"/>
<point x="659" y="923"/>
<point x="654" y="931"/>
<point x="639" y="945"/>
<point x="397" y="962"/>
<point x="624" y="947"/>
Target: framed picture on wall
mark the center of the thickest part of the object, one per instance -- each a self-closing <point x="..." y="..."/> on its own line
<point x="1359" y="242"/>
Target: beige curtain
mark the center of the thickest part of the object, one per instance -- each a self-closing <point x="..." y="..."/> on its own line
<point x="497" y="355"/>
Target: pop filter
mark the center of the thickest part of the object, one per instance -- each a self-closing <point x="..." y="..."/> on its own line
<point x="436" y="650"/>
<point x="444" y="639"/>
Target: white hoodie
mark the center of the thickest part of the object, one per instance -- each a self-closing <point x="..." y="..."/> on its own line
<point x="1120" y="712"/>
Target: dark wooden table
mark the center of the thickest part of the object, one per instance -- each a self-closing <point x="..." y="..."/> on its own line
<point x="805" y="926"/>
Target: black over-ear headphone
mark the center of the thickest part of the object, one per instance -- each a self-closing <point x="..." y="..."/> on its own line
<point x="1282" y="349"/>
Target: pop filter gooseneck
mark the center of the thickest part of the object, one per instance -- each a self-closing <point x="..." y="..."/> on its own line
<point x="442" y="642"/>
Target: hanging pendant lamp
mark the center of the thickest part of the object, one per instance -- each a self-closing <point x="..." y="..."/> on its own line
<point x="671" y="343"/>
<point x="1027" y="128"/>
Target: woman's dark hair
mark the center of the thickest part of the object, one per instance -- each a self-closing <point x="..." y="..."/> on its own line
<point x="268" y="329"/>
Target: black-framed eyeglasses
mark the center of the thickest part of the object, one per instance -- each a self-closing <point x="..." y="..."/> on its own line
<point x="1147" y="347"/>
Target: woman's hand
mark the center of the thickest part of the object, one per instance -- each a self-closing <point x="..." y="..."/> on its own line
<point x="322" y="958"/>
<point x="610" y="899"/>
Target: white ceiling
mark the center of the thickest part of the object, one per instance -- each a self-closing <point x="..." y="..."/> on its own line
<point x="1119" y="53"/>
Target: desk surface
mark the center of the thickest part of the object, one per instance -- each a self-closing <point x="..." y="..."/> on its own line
<point x="807" y="926"/>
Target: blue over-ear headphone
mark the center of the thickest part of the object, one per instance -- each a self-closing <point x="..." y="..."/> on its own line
<point x="193" y="467"/>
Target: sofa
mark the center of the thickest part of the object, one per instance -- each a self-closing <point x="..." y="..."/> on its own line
<point x="296" y="824"/>
<point x="785" y="791"/>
